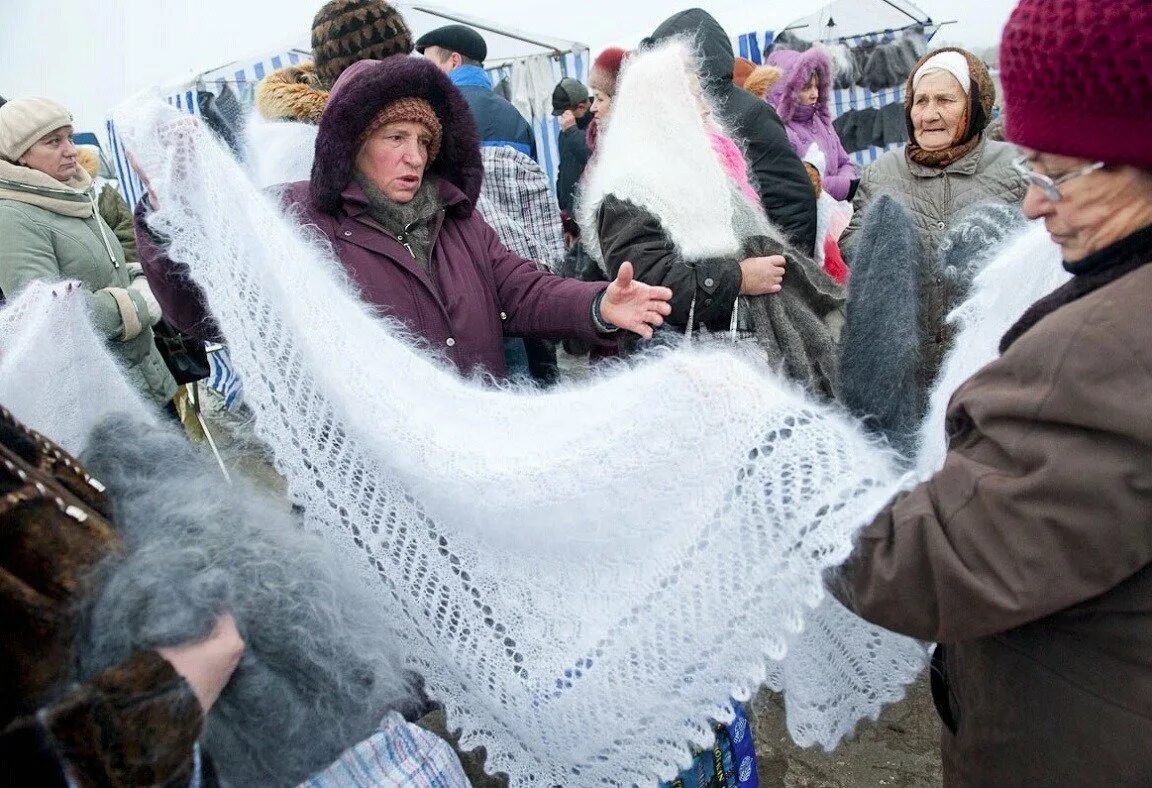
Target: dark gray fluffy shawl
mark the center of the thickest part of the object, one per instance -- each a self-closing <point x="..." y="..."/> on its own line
<point x="881" y="341"/>
<point x="895" y="331"/>
<point x="318" y="672"/>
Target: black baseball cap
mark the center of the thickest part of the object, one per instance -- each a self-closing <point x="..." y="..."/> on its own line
<point x="567" y="95"/>
<point x="456" y="38"/>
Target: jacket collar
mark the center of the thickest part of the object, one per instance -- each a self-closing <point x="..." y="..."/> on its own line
<point x="356" y="201"/>
<point x="965" y="165"/>
<point x="32" y="187"/>
<point x="473" y="76"/>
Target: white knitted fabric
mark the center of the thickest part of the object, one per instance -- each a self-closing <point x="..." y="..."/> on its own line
<point x="278" y="151"/>
<point x="1024" y="271"/>
<point x="56" y="374"/>
<point x="656" y="153"/>
<point x="583" y="591"/>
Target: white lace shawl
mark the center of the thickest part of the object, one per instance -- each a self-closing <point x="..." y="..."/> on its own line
<point x="587" y="575"/>
<point x="656" y="153"/>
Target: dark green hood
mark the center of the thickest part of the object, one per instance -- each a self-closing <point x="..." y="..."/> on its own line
<point x="711" y="40"/>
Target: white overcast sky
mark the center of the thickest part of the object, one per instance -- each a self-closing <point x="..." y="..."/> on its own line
<point x="90" y="54"/>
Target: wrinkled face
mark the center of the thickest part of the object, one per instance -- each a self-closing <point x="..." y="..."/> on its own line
<point x="445" y="59"/>
<point x="1095" y="210"/>
<point x="53" y="154"/>
<point x="394" y="158"/>
<point x="601" y="106"/>
<point x="811" y="92"/>
<point x="938" y="110"/>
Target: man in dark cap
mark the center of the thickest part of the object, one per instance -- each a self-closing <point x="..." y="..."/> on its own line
<point x="570" y="101"/>
<point x="515" y="189"/>
<point x="459" y="51"/>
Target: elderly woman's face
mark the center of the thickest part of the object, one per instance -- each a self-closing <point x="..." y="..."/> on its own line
<point x="53" y="154"/>
<point x="394" y="158"/>
<point x="938" y="108"/>
<point x="601" y="106"/>
<point x="1094" y="210"/>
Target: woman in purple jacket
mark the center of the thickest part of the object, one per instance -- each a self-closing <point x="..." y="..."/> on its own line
<point x="802" y="97"/>
<point x="394" y="183"/>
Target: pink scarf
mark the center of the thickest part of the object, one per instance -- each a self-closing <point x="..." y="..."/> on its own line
<point x="734" y="164"/>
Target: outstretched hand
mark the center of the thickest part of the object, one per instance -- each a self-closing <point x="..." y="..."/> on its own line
<point x="635" y="306"/>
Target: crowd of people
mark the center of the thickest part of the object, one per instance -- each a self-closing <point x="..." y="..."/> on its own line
<point x="696" y="201"/>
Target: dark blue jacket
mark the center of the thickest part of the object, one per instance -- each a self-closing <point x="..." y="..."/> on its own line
<point x="498" y="121"/>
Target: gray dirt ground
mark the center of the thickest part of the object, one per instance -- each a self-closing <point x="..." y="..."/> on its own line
<point x="900" y="749"/>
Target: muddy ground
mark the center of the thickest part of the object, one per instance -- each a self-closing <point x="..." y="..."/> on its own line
<point x="900" y="749"/>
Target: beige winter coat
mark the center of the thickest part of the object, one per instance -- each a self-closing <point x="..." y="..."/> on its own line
<point x="935" y="195"/>
<point x="52" y="232"/>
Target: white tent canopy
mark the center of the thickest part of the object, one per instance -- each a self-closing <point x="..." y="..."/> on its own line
<point x="529" y="63"/>
<point x="852" y="18"/>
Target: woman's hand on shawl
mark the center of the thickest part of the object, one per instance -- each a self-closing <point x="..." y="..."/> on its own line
<point x="183" y="129"/>
<point x="207" y="665"/>
<point x="761" y="275"/>
<point x="635" y="306"/>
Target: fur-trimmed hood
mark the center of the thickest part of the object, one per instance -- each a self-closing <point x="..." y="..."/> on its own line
<point x="362" y="91"/>
<point x="292" y="93"/>
<point x="798" y="68"/>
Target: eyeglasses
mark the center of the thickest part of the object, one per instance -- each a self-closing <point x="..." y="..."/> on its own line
<point x="1048" y="185"/>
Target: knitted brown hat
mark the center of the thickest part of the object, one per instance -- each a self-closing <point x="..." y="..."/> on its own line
<point x="413" y="109"/>
<point x="345" y="31"/>
<point x="606" y="70"/>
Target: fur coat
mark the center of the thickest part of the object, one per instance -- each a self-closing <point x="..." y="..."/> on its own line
<point x="135" y="722"/>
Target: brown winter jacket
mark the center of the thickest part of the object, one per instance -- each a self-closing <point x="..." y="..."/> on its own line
<point x="135" y="723"/>
<point x="1029" y="555"/>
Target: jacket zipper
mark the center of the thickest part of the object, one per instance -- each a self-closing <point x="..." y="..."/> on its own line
<point x="100" y="227"/>
<point x="403" y="238"/>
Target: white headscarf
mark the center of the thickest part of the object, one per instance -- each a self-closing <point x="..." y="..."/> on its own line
<point x="952" y="62"/>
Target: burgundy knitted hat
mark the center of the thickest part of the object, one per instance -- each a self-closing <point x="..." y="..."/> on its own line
<point x="606" y="70"/>
<point x="1076" y="78"/>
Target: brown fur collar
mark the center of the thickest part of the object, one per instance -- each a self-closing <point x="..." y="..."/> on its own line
<point x="292" y="93"/>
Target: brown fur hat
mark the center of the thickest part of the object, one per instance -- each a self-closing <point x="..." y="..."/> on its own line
<point x="292" y="93"/>
<point x="761" y="80"/>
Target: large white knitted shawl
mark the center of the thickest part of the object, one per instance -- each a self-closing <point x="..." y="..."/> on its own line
<point x="585" y="576"/>
<point x="656" y="154"/>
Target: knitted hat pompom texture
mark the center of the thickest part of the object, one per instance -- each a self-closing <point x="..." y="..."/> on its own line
<point x="1077" y="79"/>
<point x="346" y="31"/>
